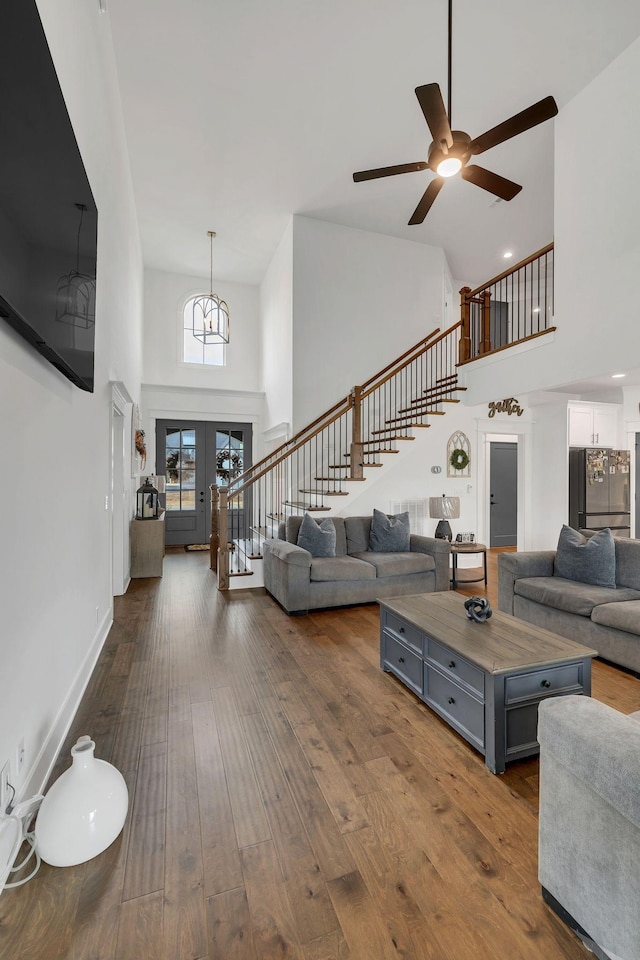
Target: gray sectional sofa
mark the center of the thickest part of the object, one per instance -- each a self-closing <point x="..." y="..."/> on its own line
<point x="589" y="821"/>
<point x="605" y="618"/>
<point x="356" y="574"/>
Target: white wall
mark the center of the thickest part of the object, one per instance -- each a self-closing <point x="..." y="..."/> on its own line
<point x="597" y="245"/>
<point x="55" y="589"/>
<point x="276" y="318"/>
<point x="359" y="300"/>
<point x="164" y="298"/>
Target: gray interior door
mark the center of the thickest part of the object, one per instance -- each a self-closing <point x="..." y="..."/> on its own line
<point x="637" y="486"/>
<point x="190" y="454"/>
<point x="503" y="466"/>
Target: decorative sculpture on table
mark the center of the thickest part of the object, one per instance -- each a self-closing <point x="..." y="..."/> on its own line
<point x="478" y="609"/>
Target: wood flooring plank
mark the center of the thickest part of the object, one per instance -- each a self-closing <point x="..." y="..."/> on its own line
<point x="146" y="854"/>
<point x="363" y="928"/>
<point x="407" y="927"/>
<point x="272" y="923"/>
<point x="230" y="932"/>
<point x="185" y="925"/>
<point x="332" y="947"/>
<point x="314" y="915"/>
<point x="326" y="840"/>
<point x="221" y="858"/>
<point x="248" y="814"/>
<point x="154" y="729"/>
<point x="141" y="930"/>
<point x="327" y="771"/>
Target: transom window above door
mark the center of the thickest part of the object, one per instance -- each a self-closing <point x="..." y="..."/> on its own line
<point x="193" y="350"/>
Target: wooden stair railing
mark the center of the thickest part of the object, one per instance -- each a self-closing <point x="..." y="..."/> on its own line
<point x="513" y="307"/>
<point x="335" y="449"/>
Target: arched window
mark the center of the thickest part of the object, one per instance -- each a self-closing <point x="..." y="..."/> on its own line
<point x="194" y="351"/>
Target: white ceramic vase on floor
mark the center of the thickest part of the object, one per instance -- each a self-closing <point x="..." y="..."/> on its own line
<point x="83" y="812"/>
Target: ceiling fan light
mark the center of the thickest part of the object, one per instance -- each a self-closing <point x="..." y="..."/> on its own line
<point x="449" y="166"/>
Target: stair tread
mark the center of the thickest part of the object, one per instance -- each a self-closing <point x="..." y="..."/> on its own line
<point x="326" y="493"/>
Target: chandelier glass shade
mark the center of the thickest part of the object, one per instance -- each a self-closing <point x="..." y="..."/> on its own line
<point x="76" y="293"/>
<point x="210" y="314"/>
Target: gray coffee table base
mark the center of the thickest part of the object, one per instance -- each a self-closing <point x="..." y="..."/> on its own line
<point x="485" y="680"/>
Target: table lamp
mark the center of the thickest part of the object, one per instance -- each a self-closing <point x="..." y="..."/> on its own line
<point x="444" y="509"/>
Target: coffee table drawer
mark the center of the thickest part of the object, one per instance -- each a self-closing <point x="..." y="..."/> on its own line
<point x="542" y="683"/>
<point x="457" y="666"/>
<point x="404" y="631"/>
<point x="462" y="710"/>
<point x="401" y="661"/>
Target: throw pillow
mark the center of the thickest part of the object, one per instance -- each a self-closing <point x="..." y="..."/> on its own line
<point x="591" y="560"/>
<point x="318" y="538"/>
<point x="389" y="534"/>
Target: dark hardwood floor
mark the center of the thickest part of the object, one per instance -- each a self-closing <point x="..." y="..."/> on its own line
<point x="287" y="799"/>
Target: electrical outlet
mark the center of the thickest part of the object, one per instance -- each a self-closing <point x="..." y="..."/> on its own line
<point x="5" y="774"/>
<point x="20" y="756"/>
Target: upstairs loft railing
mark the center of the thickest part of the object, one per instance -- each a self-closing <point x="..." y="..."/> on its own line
<point x="515" y="306"/>
<point x="322" y="461"/>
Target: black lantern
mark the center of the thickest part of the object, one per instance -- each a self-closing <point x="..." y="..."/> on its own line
<point x="147" y="501"/>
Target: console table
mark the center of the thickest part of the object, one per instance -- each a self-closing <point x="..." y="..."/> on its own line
<point x="147" y="547"/>
<point x="484" y="679"/>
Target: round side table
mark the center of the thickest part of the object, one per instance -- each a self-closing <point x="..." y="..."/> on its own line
<point x="462" y="549"/>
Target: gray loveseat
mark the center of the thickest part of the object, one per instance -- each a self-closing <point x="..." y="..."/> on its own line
<point x="605" y="618"/>
<point x="300" y="582"/>
<point x="589" y="821"/>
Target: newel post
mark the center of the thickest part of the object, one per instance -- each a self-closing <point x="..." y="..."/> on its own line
<point x="214" y="539"/>
<point x="485" y="339"/>
<point x="355" y="452"/>
<point x="464" y="346"/>
<point x="223" y="546"/>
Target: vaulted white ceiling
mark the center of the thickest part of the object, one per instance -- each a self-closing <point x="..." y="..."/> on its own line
<point x="240" y="113"/>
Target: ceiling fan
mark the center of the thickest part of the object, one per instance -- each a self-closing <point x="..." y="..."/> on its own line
<point x="451" y="150"/>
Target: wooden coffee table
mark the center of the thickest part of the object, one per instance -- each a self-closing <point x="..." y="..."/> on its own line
<point x="484" y="679"/>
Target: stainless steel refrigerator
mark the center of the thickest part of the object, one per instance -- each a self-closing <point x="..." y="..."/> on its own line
<point x="599" y="489"/>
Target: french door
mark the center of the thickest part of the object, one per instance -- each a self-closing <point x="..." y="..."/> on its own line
<point x="190" y="454"/>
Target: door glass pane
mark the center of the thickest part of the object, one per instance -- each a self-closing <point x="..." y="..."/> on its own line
<point x="180" y="457"/>
<point x="230" y="460"/>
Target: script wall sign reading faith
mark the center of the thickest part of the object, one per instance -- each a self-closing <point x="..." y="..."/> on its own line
<point x="510" y="406"/>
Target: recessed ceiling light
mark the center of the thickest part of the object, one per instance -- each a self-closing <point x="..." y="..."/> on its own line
<point x="616" y="376"/>
<point x="536" y="310"/>
<point x="507" y="255"/>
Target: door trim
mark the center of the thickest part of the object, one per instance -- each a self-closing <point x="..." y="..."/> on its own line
<point x="522" y="434"/>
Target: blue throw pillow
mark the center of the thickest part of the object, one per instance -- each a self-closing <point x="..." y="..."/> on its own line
<point x="590" y="560"/>
<point x="390" y="534"/>
<point x="318" y="538"/>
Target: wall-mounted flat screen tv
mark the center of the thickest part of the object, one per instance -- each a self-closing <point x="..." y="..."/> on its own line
<point x="48" y="217"/>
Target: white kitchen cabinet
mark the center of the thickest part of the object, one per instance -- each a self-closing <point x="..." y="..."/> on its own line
<point x="593" y="425"/>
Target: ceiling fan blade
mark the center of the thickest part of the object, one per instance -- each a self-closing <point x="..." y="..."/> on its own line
<point x="525" y="120"/>
<point x="430" y="99"/>
<point x="389" y="171"/>
<point x="505" y="189"/>
<point x="426" y="201"/>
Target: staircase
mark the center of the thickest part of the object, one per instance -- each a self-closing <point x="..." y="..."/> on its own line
<point x="316" y="470"/>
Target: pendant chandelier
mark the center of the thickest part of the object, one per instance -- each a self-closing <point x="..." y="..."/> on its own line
<point x="76" y="294"/>
<point x="210" y="313"/>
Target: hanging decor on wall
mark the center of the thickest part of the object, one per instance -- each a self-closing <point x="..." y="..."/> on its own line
<point x="138" y="443"/>
<point x="509" y="405"/>
<point x="210" y="314"/>
<point x="458" y="455"/>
